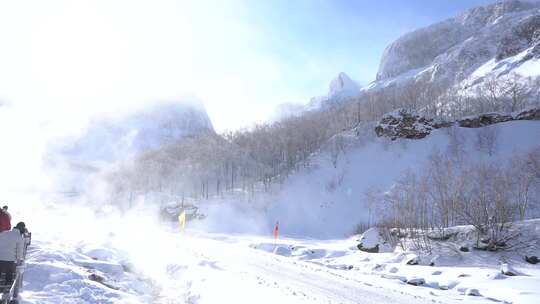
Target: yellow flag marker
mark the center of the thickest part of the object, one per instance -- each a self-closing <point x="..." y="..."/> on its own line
<point x="182" y="220"/>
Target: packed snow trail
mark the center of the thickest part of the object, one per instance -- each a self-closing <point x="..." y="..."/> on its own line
<point x="223" y="270"/>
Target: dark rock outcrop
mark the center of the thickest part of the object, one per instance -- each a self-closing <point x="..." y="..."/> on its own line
<point x="532" y="259"/>
<point x="416" y="281"/>
<point x="529" y="114"/>
<point x="403" y="123"/>
<point x="369" y="250"/>
<point x="483" y="120"/>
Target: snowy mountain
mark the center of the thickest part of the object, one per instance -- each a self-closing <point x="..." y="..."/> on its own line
<point x="110" y="139"/>
<point x="341" y="88"/>
<point x="285" y="110"/>
<point x="493" y="43"/>
<point x="488" y="41"/>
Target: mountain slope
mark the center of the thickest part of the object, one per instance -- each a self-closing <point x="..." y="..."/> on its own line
<point x="340" y="89"/>
<point x="114" y="138"/>
<point x="449" y="52"/>
<point x="108" y="140"/>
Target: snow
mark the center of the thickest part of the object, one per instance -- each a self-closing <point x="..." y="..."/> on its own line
<point x="529" y="68"/>
<point x="80" y="256"/>
<point x="341" y="88"/>
<point x="372" y="238"/>
<point x="140" y="261"/>
<point x="327" y="201"/>
<point x="464" y="50"/>
<point x="514" y="64"/>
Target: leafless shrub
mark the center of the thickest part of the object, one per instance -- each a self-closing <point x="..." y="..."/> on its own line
<point x="486" y="139"/>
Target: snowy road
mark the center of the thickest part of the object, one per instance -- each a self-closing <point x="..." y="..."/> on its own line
<point x="226" y="271"/>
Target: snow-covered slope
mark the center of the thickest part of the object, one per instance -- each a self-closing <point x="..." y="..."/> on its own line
<point x="485" y="41"/>
<point x="327" y="201"/>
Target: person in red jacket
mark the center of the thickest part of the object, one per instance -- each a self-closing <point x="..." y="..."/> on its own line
<point x="5" y="219"/>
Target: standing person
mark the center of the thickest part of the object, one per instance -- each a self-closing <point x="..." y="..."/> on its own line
<point x="5" y="219"/>
<point x="5" y="208"/>
<point x="11" y="252"/>
<point x="21" y="227"/>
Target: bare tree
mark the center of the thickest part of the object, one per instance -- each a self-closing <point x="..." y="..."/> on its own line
<point x="486" y="139"/>
<point x="516" y="91"/>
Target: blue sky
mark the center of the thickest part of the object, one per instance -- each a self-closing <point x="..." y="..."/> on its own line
<point x="342" y="35"/>
<point x="241" y="58"/>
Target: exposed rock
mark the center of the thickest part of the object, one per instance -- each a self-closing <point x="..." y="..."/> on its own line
<point x="412" y="260"/>
<point x="341" y="88"/>
<point x="96" y="278"/>
<point x="435" y="260"/>
<point x="532" y="259"/>
<point x="448" y="53"/>
<point x="472" y="292"/>
<point x="372" y="241"/>
<point x="528" y="114"/>
<point x="416" y="281"/>
<point x="508" y="270"/>
<point x="441" y="236"/>
<point x="464" y="249"/>
<point x="370" y="250"/>
<point x="483" y="120"/>
<point x="403" y="123"/>
<point x="101" y="280"/>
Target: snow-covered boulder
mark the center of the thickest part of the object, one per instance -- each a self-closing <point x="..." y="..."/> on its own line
<point x="411" y="259"/>
<point x="373" y="241"/>
<point x="416" y="281"/>
<point x="508" y="270"/>
<point x="403" y="123"/>
<point x="103" y="266"/>
<point x="472" y="292"/>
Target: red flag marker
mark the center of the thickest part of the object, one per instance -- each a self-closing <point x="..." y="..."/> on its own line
<point x="276" y="230"/>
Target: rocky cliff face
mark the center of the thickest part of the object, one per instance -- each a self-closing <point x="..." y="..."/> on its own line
<point x="73" y="161"/>
<point x="408" y="124"/>
<point x="110" y="139"/>
<point x="341" y="88"/>
<point x="107" y="140"/>
<point x="505" y="34"/>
